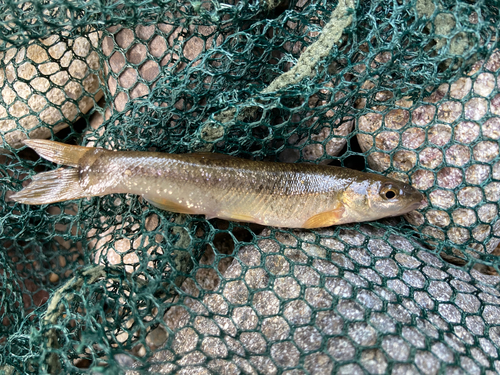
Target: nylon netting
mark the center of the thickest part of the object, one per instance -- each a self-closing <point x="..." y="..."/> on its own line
<point x="409" y="89"/>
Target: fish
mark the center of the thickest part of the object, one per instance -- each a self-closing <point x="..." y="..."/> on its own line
<point x="289" y="195"/>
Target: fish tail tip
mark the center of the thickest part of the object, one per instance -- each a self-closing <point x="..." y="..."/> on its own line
<point x="34" y="142"/>
<point x="50" y="187"/>
<point x="19" y="198"/>
<point x="57" y="152"/>
<point x="15" y="197"/>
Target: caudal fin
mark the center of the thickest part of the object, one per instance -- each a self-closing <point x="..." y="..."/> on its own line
<point x="57" y="152"/>
<point x="54" y="186"/>
<point x="49" y="187"/>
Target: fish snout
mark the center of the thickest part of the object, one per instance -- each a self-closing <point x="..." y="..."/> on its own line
<point x="416" y="205"/>
<point x="416" y="198"/>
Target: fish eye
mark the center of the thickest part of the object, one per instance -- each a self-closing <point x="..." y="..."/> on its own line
<point x="389" y="192"/>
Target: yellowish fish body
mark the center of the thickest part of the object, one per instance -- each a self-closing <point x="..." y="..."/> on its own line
<point x="275" y="194"/>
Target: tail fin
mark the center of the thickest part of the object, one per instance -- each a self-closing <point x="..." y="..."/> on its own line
<point x="49" y="187"/>
<point x="54" y="186"/>
<point x="56" y="152"/>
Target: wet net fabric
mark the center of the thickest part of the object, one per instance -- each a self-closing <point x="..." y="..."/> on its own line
<point x="408" y="89"/>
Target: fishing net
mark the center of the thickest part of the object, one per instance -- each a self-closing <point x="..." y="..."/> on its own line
<point x="408" y="89"/>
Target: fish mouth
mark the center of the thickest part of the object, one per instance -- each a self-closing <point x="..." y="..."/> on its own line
<point x="416" y="205"/>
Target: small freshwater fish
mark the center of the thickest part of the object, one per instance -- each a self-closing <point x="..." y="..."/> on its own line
<point x="222" y="186"/>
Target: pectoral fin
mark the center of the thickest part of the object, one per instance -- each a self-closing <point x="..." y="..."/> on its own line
<point x="169" y="205"/>
<point x="325" y="219"/>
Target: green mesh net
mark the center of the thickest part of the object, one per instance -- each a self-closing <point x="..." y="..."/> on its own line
<point x="409" y="89"/>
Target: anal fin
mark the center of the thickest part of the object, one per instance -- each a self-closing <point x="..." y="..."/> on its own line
<point x="168" y="205"/>
<point x="325" y="219"/>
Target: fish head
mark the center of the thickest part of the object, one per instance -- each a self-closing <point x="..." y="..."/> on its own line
<point x="389" y="197"/>
<point x="370" y="197"/>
